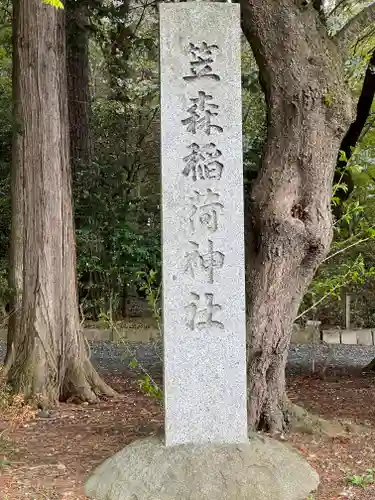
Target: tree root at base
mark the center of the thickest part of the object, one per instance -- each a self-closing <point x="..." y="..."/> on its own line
<point x="301" y="420"/>
<point x="370" y="367"/>
<point x="82" y="384"/>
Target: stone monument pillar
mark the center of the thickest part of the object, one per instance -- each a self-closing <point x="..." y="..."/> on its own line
<point x="202" y="222"/>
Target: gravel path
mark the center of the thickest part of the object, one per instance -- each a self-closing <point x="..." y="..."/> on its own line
<point x="114" y="358"/>
<point x="340" y="356"/>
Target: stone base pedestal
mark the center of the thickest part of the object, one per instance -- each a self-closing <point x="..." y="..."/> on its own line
<point x="262" y="469"/>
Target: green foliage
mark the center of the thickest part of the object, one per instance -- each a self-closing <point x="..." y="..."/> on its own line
<point x="363" y="480"/>
<point x="150" y="284"/>
<point x="55" y="3"/>
<point x="146" y="383"/>
<point x="149" y="387"/>
<point x="133" y="363"/>
<point x="121" y="237"/>
<point x="4" y="463"/>
<point x="328" y="99"/>
<point x="331" y="284"/>
<point x="349" y="267"/>
<point x="110" y="256"/>
<point x="6" y="130"/>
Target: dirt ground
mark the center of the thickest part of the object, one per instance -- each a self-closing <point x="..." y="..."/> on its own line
<point x="49" y="458"/>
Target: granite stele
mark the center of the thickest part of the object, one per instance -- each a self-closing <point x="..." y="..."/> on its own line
<point x="206" y="453"/>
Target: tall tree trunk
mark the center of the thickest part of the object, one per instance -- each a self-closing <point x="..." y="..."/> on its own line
<point x="77" y="40"/>
<point x="289" y="224"/>
<point x="50" y="355"/>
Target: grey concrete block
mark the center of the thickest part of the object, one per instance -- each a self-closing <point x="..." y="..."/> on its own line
<point x="365" y="337"/>
<point x="331" y="336"/>
<point x="348" y="337"/>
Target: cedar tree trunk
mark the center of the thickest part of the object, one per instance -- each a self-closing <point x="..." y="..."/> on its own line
<point x="50" y="355"/>
<point x="289" y="223"/>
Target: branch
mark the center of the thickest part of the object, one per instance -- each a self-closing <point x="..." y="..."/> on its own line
<point x="322" y="298"/>
<point x="354" y="134"/>
<point x="342" y="4"/>
<point x="346" y="248"/>
<point x="348" y="34"/>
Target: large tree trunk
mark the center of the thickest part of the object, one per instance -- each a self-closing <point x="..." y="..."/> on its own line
<point x="288" y="214"/>
<point x="50" y="355"/>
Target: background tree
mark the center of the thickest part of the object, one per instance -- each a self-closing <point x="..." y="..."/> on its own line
<point x="10" y="287"/>
<point x="121" y="237"/>
<point x="79" y="98"/>
<point x="353" y="134"/>
<point x="50" y="357"/>
<point x="289" y="218"/>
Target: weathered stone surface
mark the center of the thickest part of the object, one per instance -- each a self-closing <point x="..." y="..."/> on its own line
<point x="331" y="336"/>
<point x="263" y="469"/>
<point x="365" y="337"/>
<point x="305" y="336"/>
<point x="348" y="337"/>
<point x="314" y="323"/>
<point x="203" y="230"/>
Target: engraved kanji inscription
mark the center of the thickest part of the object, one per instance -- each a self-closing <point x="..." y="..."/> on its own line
<point x="202" y="315"/>
<point x="206" y="208"/>
<point x="202" y="162"/>
<point x="202" y="57"/>
<point x="202" y="113"/>
<point x="208" y="262"/>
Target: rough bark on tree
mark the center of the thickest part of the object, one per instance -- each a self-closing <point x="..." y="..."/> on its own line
<point x="50" y="356"/>
<point x="289" y="223"/>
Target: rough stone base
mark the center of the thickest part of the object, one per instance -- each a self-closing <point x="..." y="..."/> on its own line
<point x="263" y="469"/>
